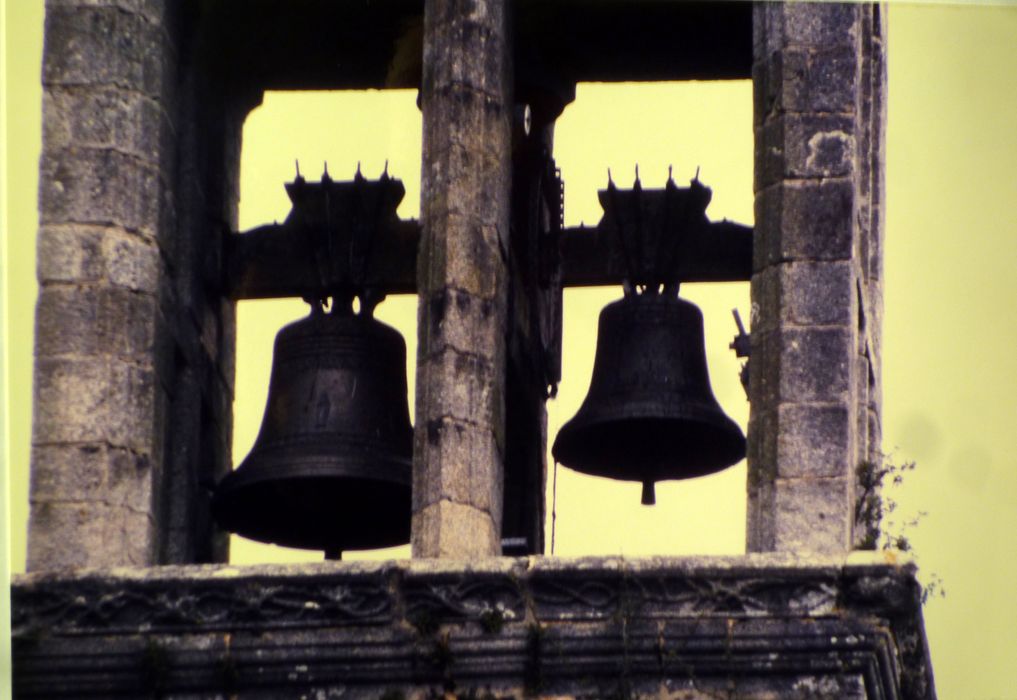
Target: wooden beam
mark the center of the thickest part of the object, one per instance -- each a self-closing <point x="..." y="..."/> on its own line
<point x="271" y="261"/>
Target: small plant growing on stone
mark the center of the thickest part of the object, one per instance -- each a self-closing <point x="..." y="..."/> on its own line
<point x="878" y="519"/>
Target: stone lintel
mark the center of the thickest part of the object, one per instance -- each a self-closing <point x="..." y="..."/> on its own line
<point x="759" y="625"/>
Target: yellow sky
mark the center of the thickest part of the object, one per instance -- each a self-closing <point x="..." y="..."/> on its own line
<point x="950" y="381"/>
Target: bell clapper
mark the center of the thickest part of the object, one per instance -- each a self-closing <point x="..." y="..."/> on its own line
<point x="649" y="494"/>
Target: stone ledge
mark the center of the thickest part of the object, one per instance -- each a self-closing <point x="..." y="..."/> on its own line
<point x="590" y="627"/>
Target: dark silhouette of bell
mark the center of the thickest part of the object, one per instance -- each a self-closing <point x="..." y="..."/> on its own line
<point x="331" y="467"/>
<point x="650" y="414"/>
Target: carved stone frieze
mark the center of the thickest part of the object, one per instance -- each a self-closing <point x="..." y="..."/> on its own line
<point x="511" y="627"/>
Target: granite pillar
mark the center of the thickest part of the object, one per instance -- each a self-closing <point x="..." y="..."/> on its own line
<point x="818" y="78"/>
<point x="462" y="282"/>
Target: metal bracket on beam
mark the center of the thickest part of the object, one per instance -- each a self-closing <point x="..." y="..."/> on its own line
<point x="275" y="261"/>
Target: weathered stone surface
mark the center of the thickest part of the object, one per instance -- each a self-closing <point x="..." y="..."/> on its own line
<point x="82" y="254"/>
<point x="813" y="515"/>
<point x="818" y="80"/>
<point x="804" y="221"/>
<point x="778" y="26"/>
<point x="151" y="10"/>
<point x="460" y="323"/>
<point x="818" y="294"/>
<point x="101" y="187"/>
<point x="814" y="440"/>
<point x="132" y="420"/>
<point x="810" y="146"/>
<point x="70" y="401"/>
<point x="804" y="294"/>
<point x="95" y="399"/>
<point x="104" y="118"/>
<point x="455" y="531"/>
<point x="79" y="534"/>
<point x="818" y="120"/>
<point x="467" y="104"/>
<point x="111" y="475"/>
<point x="96" y="321"/>
<point x="103" y="45"/>
<point x="470" y="263"/>
<point x="756" y="627"/>
<point x="804" y="364"/>
<point x="468" y="464"/>
<point x="473" y="392"/>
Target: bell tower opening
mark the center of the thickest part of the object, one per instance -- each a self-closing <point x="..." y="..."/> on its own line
<point x="341" y="133"/>
<point x="682" y="130"/>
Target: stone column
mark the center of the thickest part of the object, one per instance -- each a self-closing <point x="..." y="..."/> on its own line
<point x="98" y="403"/>
<point x="466" y="179"/>
<point x="818" y="82"/>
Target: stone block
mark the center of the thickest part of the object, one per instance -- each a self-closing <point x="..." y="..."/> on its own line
<point x="94" y="321"/>
<point x="69" y="321"/>
<point x="92" y="399"/>
<point x="815" y="364"/>
<point x="70" y="254"/>
<point x="95" y="253"/>
<point x="454" y="531"/>
<point x="823" y="80"/>
<point x="461" y="322"/>
<point x="468" y="388"/>
<point x="92" y="472"/>
<point x="798" y="221"/>
<point x="813" y="516"/>
<point x="69" y="472"/>
<point x="802" y="365"/>
<point x="102" y="45"/>
<point x="804" y="25"/>
<point x="131" y="262"/>
<point x="152" y="10"/>
<point x="88" y="534"/>
<point x="817" y="294"/>
<point x="821" y="24"/>
<point x="464" y="465"/>
<point x="804" y="146"/>
<point x="482" y="40"/>
<point x="463" y="254"/>
<point x="815" y="441"/>
<point x="71" y="400"/>
<point x="104" y="118"/>
<point x="131" y="320"/>
<point x="132" y="407"/>
<point x="463" y="175"/>
<point x="101" y="187"/>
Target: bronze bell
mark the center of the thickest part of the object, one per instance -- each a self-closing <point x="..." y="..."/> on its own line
<point x="650" y="413"/>
<point x="331" y="467"/>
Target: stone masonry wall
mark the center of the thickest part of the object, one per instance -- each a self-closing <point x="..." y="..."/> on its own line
<point x="818" y="79"/>
<point x="98" y="406"/>
<point x="133" y="370"/>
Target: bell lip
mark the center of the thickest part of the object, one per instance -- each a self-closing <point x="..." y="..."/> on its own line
<point x="242" y="492"/>
<point x="574" y="434"/>
<point x="262" y="465"/>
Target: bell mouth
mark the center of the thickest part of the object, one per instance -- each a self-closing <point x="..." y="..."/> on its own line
<point x="324" y="508"/>
<point x="649" y="449"/>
